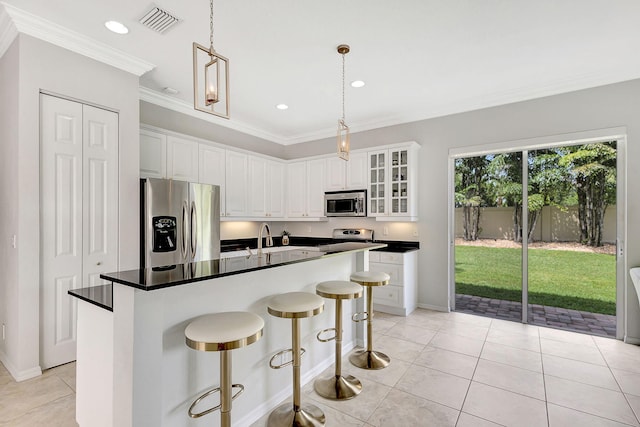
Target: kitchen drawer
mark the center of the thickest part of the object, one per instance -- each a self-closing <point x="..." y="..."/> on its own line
<point x="393" y="270"/>
<point x="390" y="257"/>
<point x="388" y="295"/>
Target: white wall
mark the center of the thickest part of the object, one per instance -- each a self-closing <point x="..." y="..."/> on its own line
<point x="9" y="202"/>
<point x="598" y="108"/>
<point x="42" y="66"/>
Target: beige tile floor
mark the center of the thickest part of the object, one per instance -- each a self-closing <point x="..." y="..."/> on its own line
<point x="447" y="369"/>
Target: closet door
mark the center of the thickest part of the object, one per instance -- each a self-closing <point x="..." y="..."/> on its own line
<point x="78" y="215"/>
<point x="100" y="194"/>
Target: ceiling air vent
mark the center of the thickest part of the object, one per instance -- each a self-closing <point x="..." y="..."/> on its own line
<point x="158" y="19"/>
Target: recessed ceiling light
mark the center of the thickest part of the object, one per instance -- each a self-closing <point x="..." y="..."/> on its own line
<point x="357" y="83"/>
<point x="282" y="106"/>
<point x="116" y="27"/>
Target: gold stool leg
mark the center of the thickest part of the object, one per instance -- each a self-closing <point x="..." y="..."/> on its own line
<point x="284" y="415"/>
<point x="369" y="359"/>
<point x="225" y="388"/>
<point x="338" y="387"/>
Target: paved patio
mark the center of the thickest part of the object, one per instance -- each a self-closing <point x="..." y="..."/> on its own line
<point x="555" y="317"/>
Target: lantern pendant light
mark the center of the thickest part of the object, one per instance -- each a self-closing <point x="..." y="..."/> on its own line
<point x="343" y="130"/>
<point x="210" y="77"/>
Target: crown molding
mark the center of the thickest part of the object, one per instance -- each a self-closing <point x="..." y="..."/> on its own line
<point x="180" y="106"/>
<point x="8" y="31"/>
<point x="32" y="25"/>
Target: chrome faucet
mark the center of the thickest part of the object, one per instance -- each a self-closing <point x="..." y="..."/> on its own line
<point x="269" y="242"/>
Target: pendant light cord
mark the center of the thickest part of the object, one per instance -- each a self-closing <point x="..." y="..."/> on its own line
<point x="211" y="27"/>
<point x="343" y="87"/>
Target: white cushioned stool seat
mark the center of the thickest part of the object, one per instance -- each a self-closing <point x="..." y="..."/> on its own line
<point x="339" y="289"/>
<point x="371" y="278"/>
<point x="224" y="331"/>
<point x="295" y="305"/>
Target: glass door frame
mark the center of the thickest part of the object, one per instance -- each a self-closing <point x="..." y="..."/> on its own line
<point x="618" y="134"/>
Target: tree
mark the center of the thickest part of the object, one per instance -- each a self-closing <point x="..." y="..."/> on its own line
<point x="593" y="168"/>
<point x="469" y="192"/>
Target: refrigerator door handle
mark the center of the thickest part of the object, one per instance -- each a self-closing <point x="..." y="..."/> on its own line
<point x="185" y="231"/>
<point x="194" y="230"/>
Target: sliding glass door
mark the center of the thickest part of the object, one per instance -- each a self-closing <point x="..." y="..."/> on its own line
<point x="535" y="234"/>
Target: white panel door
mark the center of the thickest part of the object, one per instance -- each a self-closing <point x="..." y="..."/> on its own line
<point x="61" y="227"/>
<point x="78" y="223"/>
<point x="100" y="194"/>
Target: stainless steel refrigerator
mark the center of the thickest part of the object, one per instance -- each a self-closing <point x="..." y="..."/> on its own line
<point x="180" y="222"/>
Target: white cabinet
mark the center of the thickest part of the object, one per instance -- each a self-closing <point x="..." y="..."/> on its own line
<point x="153" y="154"/>
<point x="79" y="215"/>
<point x="182" y="159"/>
<point x="305" y="189"/>
<point x="266" y="188"/>
<point x="393" y="183"/>
<point x="236" y="182"/>
<point x="400" y="296"/>
<point x="275" y="189"/>
<point x="211" y="170"/>
<point x="357" y="171"/>
<point x="346" y="175"/>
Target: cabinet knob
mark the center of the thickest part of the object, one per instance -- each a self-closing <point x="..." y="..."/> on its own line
<point x="98" y="263"/>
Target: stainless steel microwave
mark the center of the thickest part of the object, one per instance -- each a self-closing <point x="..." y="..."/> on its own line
<point x="345" y="203"/>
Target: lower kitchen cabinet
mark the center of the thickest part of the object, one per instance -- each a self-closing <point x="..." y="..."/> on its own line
<point x="400" y="296"/>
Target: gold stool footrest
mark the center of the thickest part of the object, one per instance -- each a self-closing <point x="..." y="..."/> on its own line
<point x="364" y="314"/>
<point x="215" y="408"/>
<point x="280" y="353"/>
<point x="335" y="333"/>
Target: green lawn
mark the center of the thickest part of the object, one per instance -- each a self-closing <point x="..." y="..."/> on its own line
<point x="577" y="280"/>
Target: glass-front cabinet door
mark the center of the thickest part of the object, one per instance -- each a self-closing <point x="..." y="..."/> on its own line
<point x="399" y="181"/>
<point x="377" y="183"/>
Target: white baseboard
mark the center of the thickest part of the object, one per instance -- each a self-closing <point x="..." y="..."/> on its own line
<point x="434" y="307"/>
<point x="270" y="404"/>
<point x="15" y="373"/>
<point x="631" y="340"/>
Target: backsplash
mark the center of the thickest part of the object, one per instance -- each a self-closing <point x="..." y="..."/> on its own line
<point x="382" y="230"/>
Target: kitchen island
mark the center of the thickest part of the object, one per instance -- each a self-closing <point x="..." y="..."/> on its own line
<point x="134" y="369"/>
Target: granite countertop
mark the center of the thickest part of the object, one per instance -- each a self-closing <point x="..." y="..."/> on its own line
<point x="149" y="279"/>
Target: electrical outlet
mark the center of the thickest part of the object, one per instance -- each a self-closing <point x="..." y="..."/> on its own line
<point x="415" y="232"/>
<point x="385" y="231"/>
<point x="14" y="241"/>
<point x="3" y="334"/>
<point x="309" y="230"/>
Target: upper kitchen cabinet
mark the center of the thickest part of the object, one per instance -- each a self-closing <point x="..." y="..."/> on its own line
<point x="346" y="175"/>
<point x="211" y="170"/>
<point x="153" y="154"/>
<point x="266" y="187"/>
<point x="305" y="189"/>
<point x="182" y="159"/>
<point x="393" y="183"/>
<point x="236" y="181"/>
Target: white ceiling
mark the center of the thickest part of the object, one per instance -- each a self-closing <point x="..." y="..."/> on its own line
<point x="419" y="58"/>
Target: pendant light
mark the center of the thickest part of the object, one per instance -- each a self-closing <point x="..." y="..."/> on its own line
<point x="343" y="129"/>
<point x="210" y="77"/>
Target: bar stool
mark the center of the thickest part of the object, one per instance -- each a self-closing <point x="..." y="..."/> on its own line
<point x="223" y="332"/>
<point x="369" y="359"/>
<point x="338" y="387"/>
<point x="294" y="306"/>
